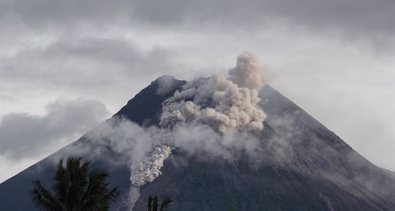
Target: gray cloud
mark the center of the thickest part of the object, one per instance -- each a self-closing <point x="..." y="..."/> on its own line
<point x="44" y="13"/>
<point x="355" y="17"/>
<point x="319" y="53"/>
<point x="24" y="135"/>
<point x="82" y="66"/>
<point x="89" y="60"/>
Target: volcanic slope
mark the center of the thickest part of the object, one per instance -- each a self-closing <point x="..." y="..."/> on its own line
<point x="304" y="166"/>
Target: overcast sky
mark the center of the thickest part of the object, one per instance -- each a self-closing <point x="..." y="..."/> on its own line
<point x="65" y="66"/>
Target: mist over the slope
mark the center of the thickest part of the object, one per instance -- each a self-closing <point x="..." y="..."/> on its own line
<point x="77" y="53"/>
<point x="26" y="138"/>
<point x="219" y="118"/>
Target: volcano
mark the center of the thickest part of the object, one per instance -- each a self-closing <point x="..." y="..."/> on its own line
<point x="303" y="166"/>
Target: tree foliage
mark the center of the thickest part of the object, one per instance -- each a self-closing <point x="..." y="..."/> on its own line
<point x="75" y="188"/>
<point x="156" y="204"/>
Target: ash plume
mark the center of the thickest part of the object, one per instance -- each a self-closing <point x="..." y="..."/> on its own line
<point x="226" y="106"/>
<point x="220" y="102"/>
<point x="207" y="115"/>
<point x="249" y="72"/>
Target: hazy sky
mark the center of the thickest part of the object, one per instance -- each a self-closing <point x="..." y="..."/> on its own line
<point x="67" y="65"/>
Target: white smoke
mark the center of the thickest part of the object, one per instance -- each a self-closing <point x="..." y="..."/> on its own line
<point x="221" y="103"/>
<point x="208" y="144"/>
<point x="214" y="104"/>
<point x="146" y="171"/>
<point x="249" y="72"/>
<point x="165" y="84"/>
<point x="143" y="149"/>
<point x="209" y="115"/>
<point x="218" y="117"/>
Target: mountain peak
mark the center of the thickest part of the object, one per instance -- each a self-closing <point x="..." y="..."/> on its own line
<point x="302" y="164"/>
<point x="150" y="101"/>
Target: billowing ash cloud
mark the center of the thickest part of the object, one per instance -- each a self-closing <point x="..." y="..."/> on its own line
<point x="207" y="115"/>
<point x="249" y="72"/>
<point x="224" y="104"/>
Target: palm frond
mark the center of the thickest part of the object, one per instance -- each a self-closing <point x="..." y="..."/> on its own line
<point x="155" y="203"/>
<point x="150" y="203"/>
<point x="164" y="206"/>
<point x="76" y="188"/>
<point x="97" y="193"/>
<point x="43" y="198"/>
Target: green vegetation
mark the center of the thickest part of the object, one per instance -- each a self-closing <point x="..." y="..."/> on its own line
<point x="75" y="188"/>
<point x="154" y="203"/>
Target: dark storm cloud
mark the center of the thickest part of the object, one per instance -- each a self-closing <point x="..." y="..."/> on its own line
<point x="108" y="50"/>
<point x="47" y="12"/>
<point x="358" y="17"/>
<point x="23" y="135"/>
<point x="82" y="62"/>
<point x="117" y="51"/>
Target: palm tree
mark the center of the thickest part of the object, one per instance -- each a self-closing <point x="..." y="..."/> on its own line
<point x="76" y="189"/>
<point x="154" y="202"/>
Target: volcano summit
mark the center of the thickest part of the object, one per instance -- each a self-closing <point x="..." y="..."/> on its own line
<point x="220" y="143"/>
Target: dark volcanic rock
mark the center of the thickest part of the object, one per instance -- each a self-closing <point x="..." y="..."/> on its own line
<point x="305" y="167"/>
<point x="146" y="107"/>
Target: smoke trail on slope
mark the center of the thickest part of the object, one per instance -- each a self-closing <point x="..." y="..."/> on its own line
<point x="149" y="169"/>
<point x="146" y="171"/>
<point x="143" y="149"/>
